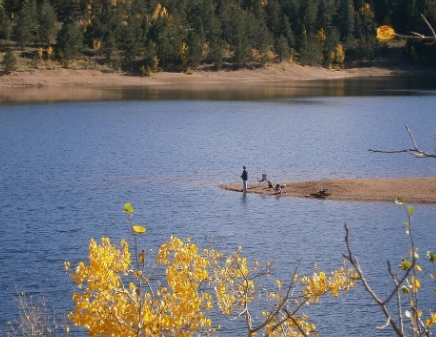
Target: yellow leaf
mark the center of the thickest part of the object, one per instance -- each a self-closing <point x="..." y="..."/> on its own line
<point x="385" y="33"/>
<point x="128" y="208"/>
<point x="416" y="283"/>
<point x="138" y="229"/>
<point x="418" y="268"/>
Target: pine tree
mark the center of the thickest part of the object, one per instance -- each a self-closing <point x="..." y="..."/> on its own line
<point x="367" y="44"/>
<point x="310" y="49"/>
<point x="194" y="50"/>
<point x="69" y="41"/>
<point x="25" y="28"/>
<point x="5" y="24"/>
<point x="9" y="62"/>
<point x="345" y="19"/>
<point x="287" y="30"/>
<point x="216" y="53"/>
<point x="282" y="48"/>
<point x="46" y="22"/>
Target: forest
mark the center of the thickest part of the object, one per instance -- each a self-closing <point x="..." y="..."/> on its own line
<point x="143" y="36"/>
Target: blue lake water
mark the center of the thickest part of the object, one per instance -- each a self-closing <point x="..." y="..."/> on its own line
<point x="67" y="169"/>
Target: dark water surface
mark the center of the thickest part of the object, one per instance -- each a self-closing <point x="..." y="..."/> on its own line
<point x="67" y="169"/>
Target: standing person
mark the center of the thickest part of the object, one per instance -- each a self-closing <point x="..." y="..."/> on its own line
<point x="244" y="177"/>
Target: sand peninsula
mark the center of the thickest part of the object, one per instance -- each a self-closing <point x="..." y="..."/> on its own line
<point x="412" y="190"/>
<point x="70" y="84"/>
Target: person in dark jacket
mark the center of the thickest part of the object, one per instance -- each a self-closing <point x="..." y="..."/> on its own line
<point x="244" y="177"/>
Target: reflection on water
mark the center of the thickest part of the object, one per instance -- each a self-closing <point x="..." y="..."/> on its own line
<point x="372" y="86"/>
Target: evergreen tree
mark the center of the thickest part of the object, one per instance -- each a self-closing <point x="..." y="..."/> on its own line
<point x="46" y="22"/>
<point x="25" y="29"/>
<point x="168" y="41"/>
<point x="9" y="62"/>
<point x="150" y="59"/>
<point x="103" y="29"/>
<point x="287" y="30"/>
<point x="329" y="46"/>
<point x="308" y="15"/>
<point x="367" y="44"/>
<point x="5" y="24"/>
<point x="69" y="41"/>
<point x="281" y="47"/>
<point x="326" y="14"/>
<point x="194" y="51"/>
<point x="13" y="6"/>
<point x="240" y="41"/>
<point x="274" y="14"/>
<point x="258" y="33"/>
<point x="310" y="49"/>
<point x="63" y="8"/>
<point x="131" y="40"/>
<point x="216" y="53"/>
<point x="345" y="19"/>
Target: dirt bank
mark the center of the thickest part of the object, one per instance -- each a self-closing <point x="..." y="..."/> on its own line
<point x="413" y="190"/>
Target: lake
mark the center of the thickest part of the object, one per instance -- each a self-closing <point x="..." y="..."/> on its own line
<point x="69" y="167"/>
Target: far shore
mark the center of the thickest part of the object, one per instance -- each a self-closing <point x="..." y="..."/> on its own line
<point x="60" y="84"/>
<point x="412" y="190"/>
<point x="273" y="73"/>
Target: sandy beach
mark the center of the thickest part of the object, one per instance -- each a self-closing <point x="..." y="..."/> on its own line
<point x="412" y="190"/>
<point x="107" y="77"/>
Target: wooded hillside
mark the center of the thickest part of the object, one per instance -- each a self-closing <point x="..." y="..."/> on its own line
<point x="179" y="35"/>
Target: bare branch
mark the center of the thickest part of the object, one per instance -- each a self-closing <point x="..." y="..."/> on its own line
<point x="419" y="36"/>
<point x="382" y="304"/>
<point x="416" y="151"/>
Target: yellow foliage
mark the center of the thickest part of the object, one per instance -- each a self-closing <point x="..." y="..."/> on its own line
<point x="116" y="298"/>
<point x="96" y="45"/>
<point x="432" y="320"/>
<point x="320" y="284"/>
<point x="385" y="33"/>
<point x="339" y="55"/>
<point x="107" y="307"/>
<point x="182" y="52"/>
<point x="160" y="12"/>
<point x="365" y="8"/>
<point x="320" y="35"/>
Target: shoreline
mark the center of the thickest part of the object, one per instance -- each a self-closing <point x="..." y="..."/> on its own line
<point x="62" y="77"/>
<point x="412" y="190"/>
<point x="286" y="79"/>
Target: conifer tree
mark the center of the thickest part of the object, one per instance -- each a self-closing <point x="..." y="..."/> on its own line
<point x="194" y="50"/>
<point x="5" y="24"/>
<point x="9" y="62"/>
<point x="69" y="41"/>
<point x="345" y="19"/>
<point x="216" y="53"/>
<point x="310" y="49"/>
<point x="25" y="28"/>
<point x="367" y="46"/>
<point x="46" y="22"/>
<point x="281" y="47"/>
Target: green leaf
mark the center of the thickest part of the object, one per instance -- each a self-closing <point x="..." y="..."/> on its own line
<point x="411" y="210"/>
<point x="405" y="264"/>
<point x="128" y="208"/>
<point x="399" y="201"/>
<point x="431" y="256"/>
<point x="405" y="290"/>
